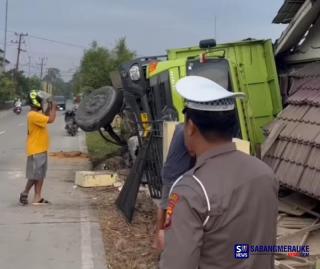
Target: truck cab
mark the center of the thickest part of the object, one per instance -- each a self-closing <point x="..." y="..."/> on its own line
<point x="247" y="66"/>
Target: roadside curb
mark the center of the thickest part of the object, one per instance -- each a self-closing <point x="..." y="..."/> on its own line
<point x="82" y="142"/>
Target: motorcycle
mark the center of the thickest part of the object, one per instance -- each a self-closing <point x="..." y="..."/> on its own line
<point x="17" y="109"/>
<point x="71" y="125"/>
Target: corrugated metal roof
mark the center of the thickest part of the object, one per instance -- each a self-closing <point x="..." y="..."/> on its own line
<point x="287" y="11"/>
<point x="295" y="155"/>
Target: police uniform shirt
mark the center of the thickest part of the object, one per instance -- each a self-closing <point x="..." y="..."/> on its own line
<point x="178" y="162"/>
<point x="241" y="192"/>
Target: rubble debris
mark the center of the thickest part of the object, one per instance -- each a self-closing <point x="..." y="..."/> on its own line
<point x="290" y="234"/>
<point x="297" y="204"/>
<point x="285" y="262"/>
<point x="295" y="223"/>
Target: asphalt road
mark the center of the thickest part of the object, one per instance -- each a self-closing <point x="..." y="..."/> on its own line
<point x="63" y="235"/>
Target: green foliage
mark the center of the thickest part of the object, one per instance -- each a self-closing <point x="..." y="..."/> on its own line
<point x="59" y="87"/>
<point x="34" y="83"/>
<point x="96" y="65"/>
<point x="99" y="149"/>
<point x="10" y="89"/>
<point x="7" y="88"/>
<point x="121" y="53"/>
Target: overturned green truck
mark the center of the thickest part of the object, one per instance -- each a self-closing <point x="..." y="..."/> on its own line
<point x="150" y="97"/>
<point x="280" y="121"/>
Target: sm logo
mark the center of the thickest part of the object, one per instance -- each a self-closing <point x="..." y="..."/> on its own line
<point x="241" y="251"/>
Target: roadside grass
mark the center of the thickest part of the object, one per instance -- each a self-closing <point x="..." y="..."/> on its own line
<point x="99" y="149"/>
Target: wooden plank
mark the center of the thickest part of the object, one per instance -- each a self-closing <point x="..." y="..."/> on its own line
<point x="305" y="237"/>
<point x="275" y="132"/>
<point x="283" y="239"/>
<point x="298" y="204"/>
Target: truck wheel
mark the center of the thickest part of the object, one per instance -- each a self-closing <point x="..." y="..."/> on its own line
<point x="99" y="108"/>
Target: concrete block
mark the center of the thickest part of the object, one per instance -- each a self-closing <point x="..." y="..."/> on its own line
<point x="95" y="178"/>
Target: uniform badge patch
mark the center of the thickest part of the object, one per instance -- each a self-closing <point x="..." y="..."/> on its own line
<point x="173" y="201"/>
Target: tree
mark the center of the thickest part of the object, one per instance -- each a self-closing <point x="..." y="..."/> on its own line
<point x="34" y="83"/>
<point x="121" y="53"/>
<point x="96" y="65"/>
<point x="76" y="82"/>
<point x="7" y="88"/>
<point x="59" y="86"/>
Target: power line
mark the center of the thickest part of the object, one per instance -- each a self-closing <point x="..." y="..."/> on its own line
<point x="58" y="42"/>
<point x="53" y="41"/>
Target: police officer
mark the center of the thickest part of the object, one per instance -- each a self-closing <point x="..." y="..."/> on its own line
<point x="227" y="198"/>
<point x="177" y="163"/>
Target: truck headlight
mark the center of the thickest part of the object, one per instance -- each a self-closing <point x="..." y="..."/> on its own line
<point x="134" y="72"/>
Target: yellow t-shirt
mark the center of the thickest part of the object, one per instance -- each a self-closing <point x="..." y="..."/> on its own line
<point x="38" y="135"/>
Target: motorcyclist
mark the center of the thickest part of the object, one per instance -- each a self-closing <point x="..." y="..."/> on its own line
<point x="17" y="106"/>
<point x="18" y="103"/>
<point x="71" y="125"/>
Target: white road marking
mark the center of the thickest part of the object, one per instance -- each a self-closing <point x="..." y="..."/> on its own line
<point x="86" y="240"/>
<point x="2" y="132"/>
<point x="16" y="174"/>
<point x="86" y="247"/>
<point x="21" y="124"/>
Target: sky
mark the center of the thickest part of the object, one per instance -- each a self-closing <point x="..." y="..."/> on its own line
<point x="149" y="26"/>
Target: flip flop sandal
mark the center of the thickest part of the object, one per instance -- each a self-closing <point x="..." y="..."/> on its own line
<point x="23" y="199"/>
<point x="41" y="202"/>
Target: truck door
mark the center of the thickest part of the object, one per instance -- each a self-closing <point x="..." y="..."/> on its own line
<point x="160" y="98"/>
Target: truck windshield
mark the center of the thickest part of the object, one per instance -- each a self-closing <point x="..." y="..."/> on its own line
<point x="214" y="69"/>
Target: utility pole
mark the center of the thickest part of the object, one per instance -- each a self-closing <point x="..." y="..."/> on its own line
<point x="41" y="67"/>
<point x="5" y="37"/>
<point x="19" y="42"/>
<point x="29" y="66"/>
<point x="42" y="63"/>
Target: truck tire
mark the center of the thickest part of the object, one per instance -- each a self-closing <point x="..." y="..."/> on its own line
<point x="99" y="108"/>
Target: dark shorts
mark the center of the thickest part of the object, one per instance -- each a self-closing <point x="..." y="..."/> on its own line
<point x="37" y="165"/>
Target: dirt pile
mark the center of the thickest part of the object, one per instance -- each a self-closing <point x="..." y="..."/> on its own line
<point x="69" y="154"/>
<point x="127" y="245"/>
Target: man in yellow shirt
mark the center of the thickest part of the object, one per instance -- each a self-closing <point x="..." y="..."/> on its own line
<point x="37" y="146"/>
